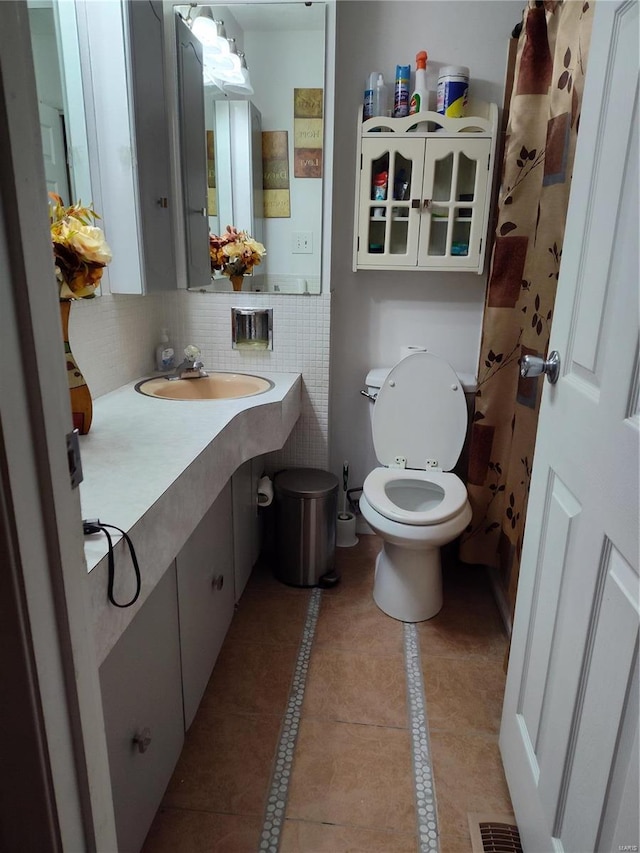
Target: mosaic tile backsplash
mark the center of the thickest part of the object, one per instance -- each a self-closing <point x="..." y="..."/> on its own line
<point x="114" y="340"/>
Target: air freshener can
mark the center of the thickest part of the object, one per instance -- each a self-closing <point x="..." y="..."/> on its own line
<point x="453" y="91"/>
<point x="401" y="91"/>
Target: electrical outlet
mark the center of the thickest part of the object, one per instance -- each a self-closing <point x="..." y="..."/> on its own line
<point x="302" y="243"/>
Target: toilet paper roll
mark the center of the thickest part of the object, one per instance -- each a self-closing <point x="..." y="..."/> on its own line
<point x="410" y="349"/>
<point x="265" y="491"/>
<point x="346" y="530"/>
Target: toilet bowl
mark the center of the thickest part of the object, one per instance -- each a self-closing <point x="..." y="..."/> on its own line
<point x="413" y="501"/>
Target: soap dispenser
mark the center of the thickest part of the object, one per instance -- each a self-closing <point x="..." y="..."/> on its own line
<point x="165" y="356"/>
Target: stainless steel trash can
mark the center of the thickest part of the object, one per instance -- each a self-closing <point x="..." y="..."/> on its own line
<point x="306" y="504"/>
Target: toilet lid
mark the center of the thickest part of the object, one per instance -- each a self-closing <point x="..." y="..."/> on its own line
<point x="420" y="414"/>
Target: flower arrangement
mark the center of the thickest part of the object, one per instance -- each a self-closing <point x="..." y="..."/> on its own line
<point x="79" y="249"/>
<point x="235" y="253"/>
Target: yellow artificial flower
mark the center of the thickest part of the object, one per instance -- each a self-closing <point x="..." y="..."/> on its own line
<point x="79" y="248"/>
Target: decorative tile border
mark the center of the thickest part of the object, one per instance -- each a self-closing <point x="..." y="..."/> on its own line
<point x="279" y="788"/>
<point x="422" y="770"/>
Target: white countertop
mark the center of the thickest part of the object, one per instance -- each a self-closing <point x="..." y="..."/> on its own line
<point x="153" y="467"/>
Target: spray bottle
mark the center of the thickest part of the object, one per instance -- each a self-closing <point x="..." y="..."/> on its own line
<point x="420" y="98"/>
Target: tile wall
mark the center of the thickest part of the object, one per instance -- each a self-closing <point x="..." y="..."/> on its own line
<point x="300" y="344"/>
<point x="114" y="337"/>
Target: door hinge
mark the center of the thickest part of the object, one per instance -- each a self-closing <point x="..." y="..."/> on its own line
<point x="480" y="249"/>
<point x="74" y="459"/>
<point x="488" y="162"/>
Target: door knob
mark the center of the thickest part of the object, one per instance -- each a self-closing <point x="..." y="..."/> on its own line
<point x="142" y="739"/>
<point x="533" y="365"/>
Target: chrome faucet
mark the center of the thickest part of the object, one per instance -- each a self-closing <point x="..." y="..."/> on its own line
<point x="192" y="367"/>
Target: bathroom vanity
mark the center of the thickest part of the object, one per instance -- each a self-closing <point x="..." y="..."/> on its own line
<point x="179" y="476"/>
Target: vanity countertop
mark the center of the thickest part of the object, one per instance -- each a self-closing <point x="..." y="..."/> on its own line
<point x="153" y="467"/>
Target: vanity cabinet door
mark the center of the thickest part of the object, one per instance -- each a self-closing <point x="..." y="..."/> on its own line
<point x="142" y="702"/>
<point x="205" y="598"/>
<point x="155" y="198"/>
<point x="246" y="523"/>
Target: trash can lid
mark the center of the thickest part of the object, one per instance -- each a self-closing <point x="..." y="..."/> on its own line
<point x="305" y="482"/>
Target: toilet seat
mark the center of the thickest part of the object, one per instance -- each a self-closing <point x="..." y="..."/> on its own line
<point x="420" y="415"/>
<point x="415" y="497"/>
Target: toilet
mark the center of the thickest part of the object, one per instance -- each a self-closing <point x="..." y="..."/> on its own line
<point x="414" y="501"/>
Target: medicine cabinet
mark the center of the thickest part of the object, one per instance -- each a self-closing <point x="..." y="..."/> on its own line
<point x="423" y="196"/>
<point x="125" y="43"/>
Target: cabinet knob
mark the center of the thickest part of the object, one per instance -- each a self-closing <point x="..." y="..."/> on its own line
<point x="426" y="203"/>
<point x="217" y="582"/>
<point x="142" y="739"/>
<point x="415" y="203"/>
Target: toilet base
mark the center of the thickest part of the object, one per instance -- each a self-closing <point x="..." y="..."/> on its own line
<point x="408" y="583"/>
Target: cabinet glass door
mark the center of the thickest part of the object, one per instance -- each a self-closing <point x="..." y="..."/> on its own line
<point x="455" y="189"/>
<point x="392" y="176"/>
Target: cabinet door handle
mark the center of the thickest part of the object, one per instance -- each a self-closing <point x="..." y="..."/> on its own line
<point x="217" y="582"/>
<point x="426" y="203"/>
<point x="163" y="201"/>
<point x="142" y="739"/>
<point x="415" y="203"/>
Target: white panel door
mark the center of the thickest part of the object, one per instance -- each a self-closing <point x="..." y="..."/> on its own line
<point x="569" y="735"/>
<point x="53" y="151"/>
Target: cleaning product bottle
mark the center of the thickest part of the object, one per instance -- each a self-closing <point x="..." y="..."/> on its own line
<point x="369" y="95"/>
<point x="401" y="94"/>
<point x="381" y="99"/>
<point x="165" y="356"/>
<point x="375" y="96"/>
<point x="420" y="98"/>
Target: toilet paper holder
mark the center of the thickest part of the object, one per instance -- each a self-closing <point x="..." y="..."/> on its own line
<point x="264" y="491"/>
<point x="252" y="328"/>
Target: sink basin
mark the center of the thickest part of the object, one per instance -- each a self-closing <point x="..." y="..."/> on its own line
<point x="215" y="386"/>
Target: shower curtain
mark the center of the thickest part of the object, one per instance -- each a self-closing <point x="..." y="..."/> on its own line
<point x="544" y="118"/>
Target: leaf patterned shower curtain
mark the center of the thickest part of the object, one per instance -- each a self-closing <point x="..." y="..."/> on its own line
<point x="541" y="138"/>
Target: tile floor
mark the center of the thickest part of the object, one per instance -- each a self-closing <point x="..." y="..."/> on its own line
<point x="351" y="786"/>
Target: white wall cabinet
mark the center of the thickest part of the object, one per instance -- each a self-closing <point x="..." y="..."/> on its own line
<point x="435" y="210"/>
<point x="205" y="598"/>
<point x="142" y="701"/>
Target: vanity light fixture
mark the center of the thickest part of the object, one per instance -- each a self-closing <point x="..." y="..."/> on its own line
<point x="207" y="29"/>
<point x="242" y="84"/>
<point x="224" y="65"/>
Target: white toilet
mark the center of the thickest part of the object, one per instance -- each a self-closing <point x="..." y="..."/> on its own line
<point x="414" y="502"/>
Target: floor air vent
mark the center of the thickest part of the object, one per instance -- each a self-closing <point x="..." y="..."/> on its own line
<point x="494" y="834"/>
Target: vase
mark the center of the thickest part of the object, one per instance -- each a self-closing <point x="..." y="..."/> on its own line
<point x="236" y="282"/>
<point x="80" y="396"/>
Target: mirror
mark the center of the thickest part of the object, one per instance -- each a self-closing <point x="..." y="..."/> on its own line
<point x="61" y="100"/>
<point x="263" y="142"/>
<point x="56" y="59"/>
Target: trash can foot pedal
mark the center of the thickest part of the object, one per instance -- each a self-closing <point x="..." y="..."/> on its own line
<point x="329" y="580"/>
